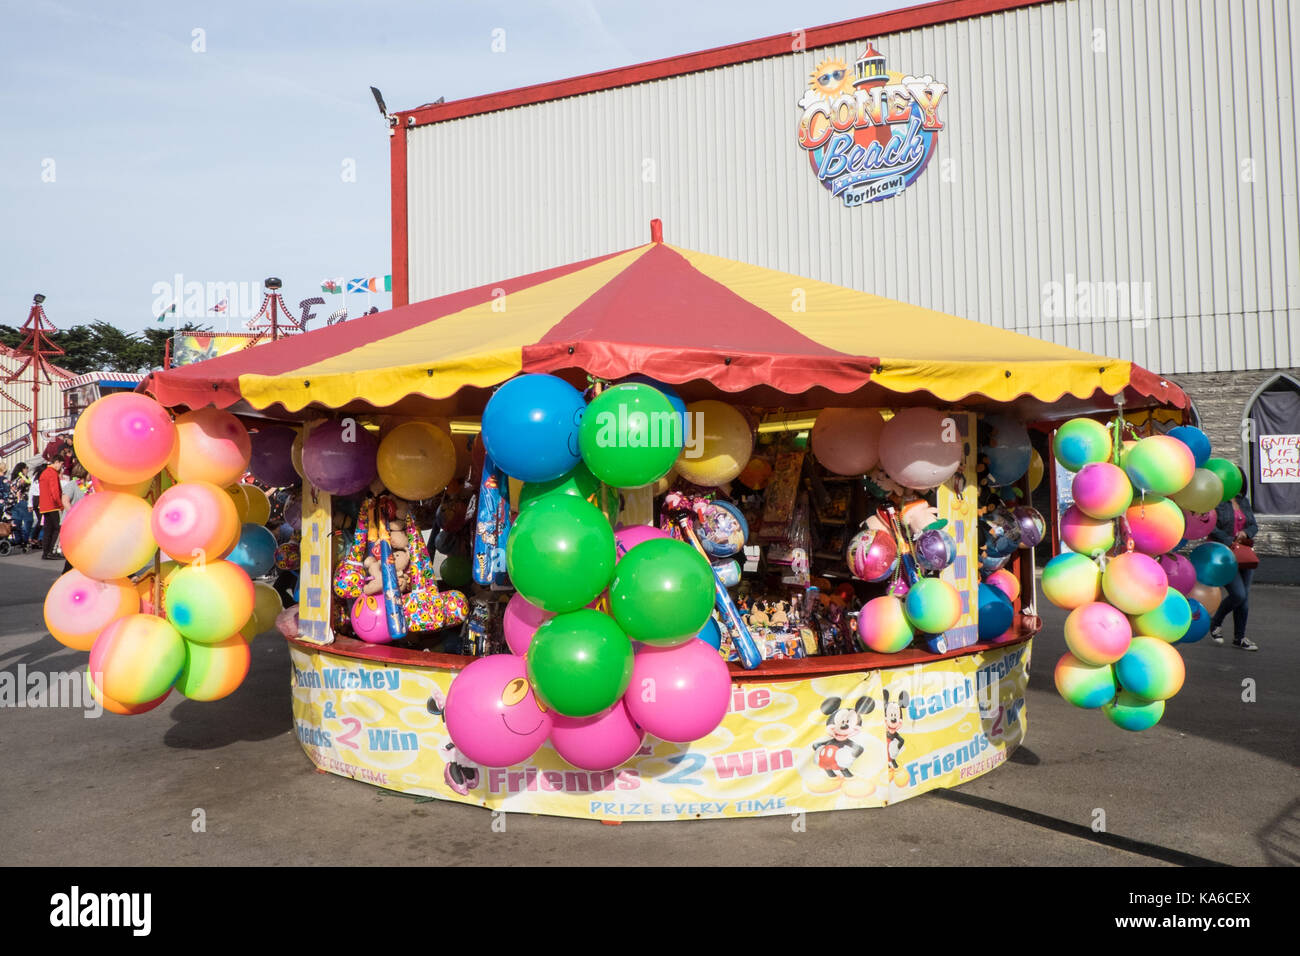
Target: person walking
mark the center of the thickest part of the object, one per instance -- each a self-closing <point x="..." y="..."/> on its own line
<point x="1235" y="526"/>
<point x="21" y="487"/>
<point x="51" y="505"/>
<point x="34" y="503"/>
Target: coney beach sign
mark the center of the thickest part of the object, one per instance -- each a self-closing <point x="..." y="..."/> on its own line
<point x="869" y="133"/>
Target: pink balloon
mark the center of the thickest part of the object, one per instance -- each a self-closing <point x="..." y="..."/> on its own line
<point x="370" y="619"/>
<point x="679" y="693"/>
<point x="1198" y="525"/>
<point x="920" y="448"/>
<point x="492" y="715"/>
<point x="1180" y="571"/>
<point x="521" y="621"/>
<point x="597" y="743"/>
<point x="625" y="539"/>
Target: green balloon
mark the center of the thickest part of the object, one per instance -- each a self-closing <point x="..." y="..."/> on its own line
<point x="630" y="435"/>
<point x="662" y="593"/>
<point x="560" y="553"/>
<point x="580" y="483"/>
<point x="1229" y="474"/>
<point x="579" y="663"/>
<point x="456" y="572"/>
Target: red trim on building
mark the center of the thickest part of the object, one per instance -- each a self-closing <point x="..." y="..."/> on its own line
<point x="400" y="206"/>
<point x="880" y="24"/>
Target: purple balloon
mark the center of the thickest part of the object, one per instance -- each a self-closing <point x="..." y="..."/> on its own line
<point x="340" y="458"/>
<point x="625" y="539"/>
<point x="1197" y="526"/>
<point x="1032" y="526"/>
<point x="1180" y="572"/>
<point x="935" y="549"/>
<point x="272" y="458"/>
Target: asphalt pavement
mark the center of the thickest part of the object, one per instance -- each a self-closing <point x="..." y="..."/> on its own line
<point x="1215" y="782"/>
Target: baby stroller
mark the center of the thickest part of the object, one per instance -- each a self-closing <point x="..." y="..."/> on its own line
<point x="6" y="533"/>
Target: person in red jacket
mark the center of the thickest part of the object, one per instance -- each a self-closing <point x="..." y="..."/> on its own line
<point x="51" y="506"/>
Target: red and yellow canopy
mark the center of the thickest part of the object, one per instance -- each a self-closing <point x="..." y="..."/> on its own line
<point x="712" y="326"/>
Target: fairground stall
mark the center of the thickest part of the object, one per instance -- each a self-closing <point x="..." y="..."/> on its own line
<point x="658" y="535"/>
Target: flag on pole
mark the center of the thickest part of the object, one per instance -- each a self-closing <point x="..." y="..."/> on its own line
<point x="332" y="286"/>
<point x="371" y="284"/>
<point x="220" y="306"/>
<point x="166" y="312"/>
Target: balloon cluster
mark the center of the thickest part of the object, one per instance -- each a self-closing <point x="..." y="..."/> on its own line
<point x="918" y="448"/>
<point x="586" y="593"/>
<point x="1143" y="499"/>
<point x="197" y="640"/>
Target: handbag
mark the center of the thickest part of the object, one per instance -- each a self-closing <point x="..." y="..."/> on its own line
<point x="1245" y="555"/>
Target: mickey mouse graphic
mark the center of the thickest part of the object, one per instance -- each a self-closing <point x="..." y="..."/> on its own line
<point x="893" y="739"/>
<point x="836" y="753"/>
<point x="461" y="775"/>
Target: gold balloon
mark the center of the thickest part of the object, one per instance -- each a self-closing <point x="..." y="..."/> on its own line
<point x="1035" y="469"/>
<point x="723" y="444"/>
<point x="240" y="497"/>
<point x="259" y="505"/>
<point x="1210" y="597"/>
<point x="295" y="454"/>
<point x="416" y="460"/>
<point x="266" y="607"/>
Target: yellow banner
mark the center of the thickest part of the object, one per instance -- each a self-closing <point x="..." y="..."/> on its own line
<point x="823" y="743"/>
<point x="315" y="576"/>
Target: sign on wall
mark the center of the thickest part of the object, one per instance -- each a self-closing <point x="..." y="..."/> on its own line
<point x="1279" y="458"/>
<point x="869" y="133"/>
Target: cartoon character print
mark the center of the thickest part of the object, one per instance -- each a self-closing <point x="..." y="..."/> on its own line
<point x="837" y="753"/>
<point x="893" y="739"/>
<point x="458" y="771"/>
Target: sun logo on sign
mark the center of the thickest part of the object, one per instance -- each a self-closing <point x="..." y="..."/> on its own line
<point x="830" y="79"/>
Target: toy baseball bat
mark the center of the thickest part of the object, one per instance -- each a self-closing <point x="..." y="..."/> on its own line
<point x="392" y="594"/>
<point x="905" y="556"/>
<point x="741" y="639"/>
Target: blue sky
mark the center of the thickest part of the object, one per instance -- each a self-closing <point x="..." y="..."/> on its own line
<point x="135" y="149"/>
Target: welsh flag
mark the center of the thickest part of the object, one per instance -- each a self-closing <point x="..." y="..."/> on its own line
<point x="332" y="286"/>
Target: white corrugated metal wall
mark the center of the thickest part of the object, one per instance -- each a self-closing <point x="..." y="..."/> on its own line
<point x="1102" y="141"/>
<point x="13" y="419"/>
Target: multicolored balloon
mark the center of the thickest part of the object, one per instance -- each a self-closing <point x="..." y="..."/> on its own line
<point x="77" y="608"/>
<point x="1128" y="711"/>
<point x="1169" y="621"/>
<point x="1079" y="442"/>
<point x="107" y="536"/>
<point x="214" y="671"/>
<point x="1159" y="465"/>
<point x="124" y="438"/>
<point x="137" y="659"/>
<point x="1097" y="634"/>
<point x="1102" y="490"/>
<point x="1151" y="669"/>
<point x="1071" y="580"/>
<point x="209" y="602"/>
<point x="195" y="520"/>
<point x="873" y="555"/>
<point x="1155" y="525"/>
<point x="211" y="445"/>
<point x="933" y="605"/>
<point x="1086" y="535"/>
<point x="1134" y="583"/>
<point x="883" y="625"/>
<point x="1085" y="685"/>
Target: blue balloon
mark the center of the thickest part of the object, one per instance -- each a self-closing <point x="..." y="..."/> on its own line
<point x="996" y="612"/>
<point x="1215" y="564"/>
<point x="255" y="551"/>
<point x="1010" y="452"/>
<point x="530" y="427"/>
<point x="1194" y="439"/>
<point x="710" y="634"/>
<point x="1200" y="625"/>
